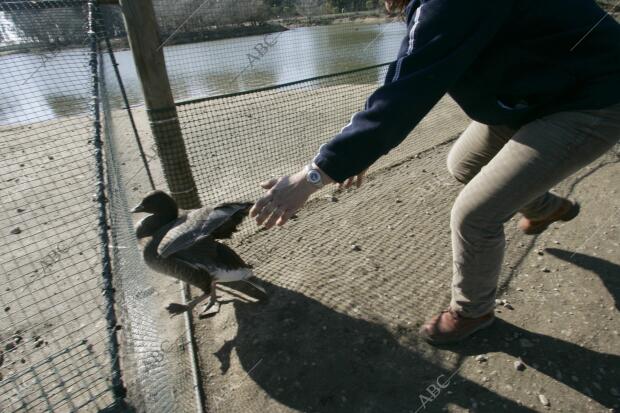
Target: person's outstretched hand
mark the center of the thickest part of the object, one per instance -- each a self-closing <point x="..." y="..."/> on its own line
<point x="284" y="197"/>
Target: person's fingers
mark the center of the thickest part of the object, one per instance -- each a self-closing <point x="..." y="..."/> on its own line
<point x="349" y="182"/>
<point x="259" y="205"/>
<point x="275" y="215"/>
<point x="264" y="213"/>
<point x="269" y="184"/>
<point x="360" y="180"/>
<point x="285" y="217"/>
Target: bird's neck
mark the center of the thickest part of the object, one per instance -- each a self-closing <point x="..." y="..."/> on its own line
<point x="149" y="225"/>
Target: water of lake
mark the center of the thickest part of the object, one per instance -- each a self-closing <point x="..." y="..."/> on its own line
<point x="43" y="86"/>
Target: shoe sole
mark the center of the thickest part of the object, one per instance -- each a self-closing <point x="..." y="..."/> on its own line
<point x="568" y="216"/>
<point x="459" y="339"/>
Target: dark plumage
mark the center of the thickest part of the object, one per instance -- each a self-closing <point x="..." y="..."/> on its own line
<point x="184" y="245"/>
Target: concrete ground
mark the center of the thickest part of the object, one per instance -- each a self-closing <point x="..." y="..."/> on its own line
<point x="339" y="331"/>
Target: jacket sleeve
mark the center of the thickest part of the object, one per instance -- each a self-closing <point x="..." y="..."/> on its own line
<point x="444" y="38"/>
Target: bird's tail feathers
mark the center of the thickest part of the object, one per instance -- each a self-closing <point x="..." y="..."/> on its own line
<point x="255" y="285"/>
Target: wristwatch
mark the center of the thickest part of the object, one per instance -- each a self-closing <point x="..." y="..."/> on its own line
<point x="313" y="176"/>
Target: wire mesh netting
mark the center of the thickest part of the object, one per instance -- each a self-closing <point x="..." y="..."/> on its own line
<point x="258" y="87"/>
<point x="59" y="324"/>
<point x="350" y="280"/>
<point x="157" y="369"/>
<point x="54" y="326"/>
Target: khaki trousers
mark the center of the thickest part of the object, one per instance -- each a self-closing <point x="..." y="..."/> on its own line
<point x="508" y="171"/>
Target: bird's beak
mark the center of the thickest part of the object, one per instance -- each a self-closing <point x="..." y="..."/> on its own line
<point x="137" y="208"/>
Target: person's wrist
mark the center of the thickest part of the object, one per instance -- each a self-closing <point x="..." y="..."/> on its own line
<point x="302" y="182"/>
<point x="324" y="177"/>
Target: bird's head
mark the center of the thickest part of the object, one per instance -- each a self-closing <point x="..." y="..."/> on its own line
<point x="158" y="203"/>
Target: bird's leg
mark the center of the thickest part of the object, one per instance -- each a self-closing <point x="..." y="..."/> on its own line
<point x="213" y="306"/>
<point x="175" y="308"/>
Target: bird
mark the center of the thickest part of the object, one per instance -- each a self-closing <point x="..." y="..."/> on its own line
<point x="182" y="244"/>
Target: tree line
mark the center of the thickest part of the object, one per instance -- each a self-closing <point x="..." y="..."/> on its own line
<point x="62" y="26"/>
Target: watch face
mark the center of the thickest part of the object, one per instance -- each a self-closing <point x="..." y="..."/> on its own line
<point x="314" y="177"/>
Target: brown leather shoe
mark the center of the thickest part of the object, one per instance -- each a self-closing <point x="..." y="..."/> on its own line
<point x="567" y="211"/>
<point x="450" y="327"/>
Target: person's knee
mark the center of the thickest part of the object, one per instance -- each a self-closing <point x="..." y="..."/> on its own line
<point x="459" y="169"/>
<point x="460" y="217"/>
<point x="472" y="219"/>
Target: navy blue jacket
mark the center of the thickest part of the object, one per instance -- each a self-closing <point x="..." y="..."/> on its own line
<point x="503" y="61"/>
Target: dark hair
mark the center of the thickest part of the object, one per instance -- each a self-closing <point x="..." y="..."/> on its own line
<point x="394" y="6"/>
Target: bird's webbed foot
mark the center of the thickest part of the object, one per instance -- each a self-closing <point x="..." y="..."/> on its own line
<point x="211" y="308"/>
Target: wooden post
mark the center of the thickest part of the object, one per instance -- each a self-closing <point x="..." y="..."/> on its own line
<point x="148" y="56"/>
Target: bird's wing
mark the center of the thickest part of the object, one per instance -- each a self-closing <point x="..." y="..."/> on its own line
<point x="200" y="256"/>
<point x="212" y="257"/>
<point x="202" y="224"/>
<point x="228" y="217"/>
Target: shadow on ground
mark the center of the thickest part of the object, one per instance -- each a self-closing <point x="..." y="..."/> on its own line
<point x="608" y="271"/>
<point x="312" y="358"/>
<point x="549" y="355"/>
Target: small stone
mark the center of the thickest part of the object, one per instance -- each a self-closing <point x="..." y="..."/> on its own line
<point x="7" y="309"/>
<point x="539" y="252"/>
<point x="16" y="230"/>
<point x="10" y="346"/>
<point x="331" y="198"/>
<point x="481" y="358"/>
<point x="545" y="269"/>
<point x="543" y="400"/>
<point x="519" y="365"/>
<point x="355" y="247"/>
<point x="50" y="157"/>
<point x="509" y="306"/>
<point x="20" y="210"/>
<point x="519" y="289"/>
<point x="555" y="241"/>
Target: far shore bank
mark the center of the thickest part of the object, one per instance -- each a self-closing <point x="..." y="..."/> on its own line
<point x="223" y="32"/>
